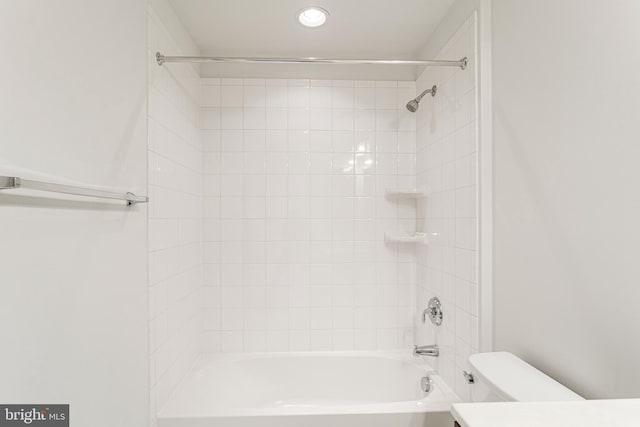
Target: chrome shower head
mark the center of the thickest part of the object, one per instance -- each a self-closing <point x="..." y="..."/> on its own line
<point x="415" y="103"/>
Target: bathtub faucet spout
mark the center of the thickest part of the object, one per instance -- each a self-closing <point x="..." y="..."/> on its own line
<point x="426" y="350"/>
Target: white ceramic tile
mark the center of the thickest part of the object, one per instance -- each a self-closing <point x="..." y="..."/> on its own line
<point x="320" y="119"/>
<point x="298" y="97"/>
<point x="255" y="341"/>
<point x="231" y="96"/>
<point x="292" y="219"/>
<point x="254" y="185"/>
<point x="253" y="320"/>
<point x="320" y="340"/>
<point x="342" y="141"/>
<point x="299" y="119"/>
<point x="254" y="96"/>
<point x="320" y="97"/>
<point x="386" y="97"/>
<point x="386" y="120"/>
<point x="231" y="118"/>
<point x="277" y="341"/>
<point x="210" y="96"/>
<point x="298" y="140"/>
<point x="231" y="341"/>
<point x="343" y="119"/>
<point x="277" y="319"/>
<point x="253" y="163"/>
<point x="180" y="307"/>
<point x="342" y="97"/>
<point x="446" y="163"/>
<point x="254" y="118"/>
<point x="365" y="339"/>
<point x="276" y="96"/>
<point x="365" y="97"/>
<point x="365" y="120"/>
<point x="320" y="141"/>
<point x="231" y="140"/>
<point x="231" y="82"/>
<point x="276" y="118"/>
<point x="254" y="82"/>
<point x="299" y="340"/>
<point x="210" y="118"/>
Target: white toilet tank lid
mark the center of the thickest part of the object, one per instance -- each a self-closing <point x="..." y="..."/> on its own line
<point x="515" y="379"/>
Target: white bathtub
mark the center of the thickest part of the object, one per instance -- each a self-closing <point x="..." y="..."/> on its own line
<point x="309" y="390"/>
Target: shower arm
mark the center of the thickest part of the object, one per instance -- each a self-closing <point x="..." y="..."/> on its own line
<point x="432" y="91"/>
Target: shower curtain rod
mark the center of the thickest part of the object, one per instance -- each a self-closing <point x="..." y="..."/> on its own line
<point x="161" y="59"/>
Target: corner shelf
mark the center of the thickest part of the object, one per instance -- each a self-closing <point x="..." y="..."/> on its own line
<point x="414" y="195"/>
<point x="405" y="237"/>
<point x="405" y="193"/>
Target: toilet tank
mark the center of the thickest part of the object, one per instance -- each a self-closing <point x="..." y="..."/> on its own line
<point x="502" y="376"/>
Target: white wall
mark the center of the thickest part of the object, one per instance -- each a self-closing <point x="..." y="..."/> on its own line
<point x="447" y="168"/>
<point x="175" y="208"/>
<point x="567" y="120"/>
<point x="74" y="295"/>
<point x="457" y="15"/>
<point x="295" y="214"/>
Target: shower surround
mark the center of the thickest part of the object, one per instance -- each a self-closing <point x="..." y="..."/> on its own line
<point x="268" y="212"/>
<point x="175" y="216"/>
<point x="295" y="173"/>
<point x="447" y="167"/>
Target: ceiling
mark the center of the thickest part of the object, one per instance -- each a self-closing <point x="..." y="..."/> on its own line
<point x="372" y="29"/>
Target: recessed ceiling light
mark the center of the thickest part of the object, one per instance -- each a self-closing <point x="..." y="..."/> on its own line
<point x="312" y="16"/>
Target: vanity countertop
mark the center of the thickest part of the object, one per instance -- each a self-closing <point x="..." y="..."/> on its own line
<point x="586" y="413"/>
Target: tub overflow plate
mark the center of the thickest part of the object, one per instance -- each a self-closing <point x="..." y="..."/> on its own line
<point x="425" y="384"/>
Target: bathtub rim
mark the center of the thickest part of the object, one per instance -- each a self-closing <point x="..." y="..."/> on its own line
<point x="444" y="393"/>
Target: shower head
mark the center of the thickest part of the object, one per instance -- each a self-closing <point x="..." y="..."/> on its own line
<point x="415" y="103"/>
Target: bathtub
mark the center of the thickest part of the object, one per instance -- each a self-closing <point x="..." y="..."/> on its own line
<point x="309" y="390"/>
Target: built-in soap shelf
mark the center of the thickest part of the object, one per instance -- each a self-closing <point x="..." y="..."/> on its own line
<point x="405" y="237"/>
<point x="405" y="193"/>
<point x="402" y="194"/>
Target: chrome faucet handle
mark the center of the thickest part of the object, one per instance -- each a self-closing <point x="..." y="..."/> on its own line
<point x="434" y="311"/>
<point x="430" y="311"/>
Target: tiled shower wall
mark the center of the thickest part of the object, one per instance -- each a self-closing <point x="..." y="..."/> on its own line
<point x="175" y="218"/>
<point x="294" y="178"/>
<point x="447" y="159"/>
